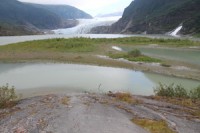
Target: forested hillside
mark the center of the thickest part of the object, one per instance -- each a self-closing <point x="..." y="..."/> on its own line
<point x="17" y="18"/>
<point x="159" y="16"/>
<point x="65" y="11"/>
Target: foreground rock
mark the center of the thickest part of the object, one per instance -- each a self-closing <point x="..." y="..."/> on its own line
<point x="89" y="113"/>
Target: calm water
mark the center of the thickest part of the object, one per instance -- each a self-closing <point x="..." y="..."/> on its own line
<point x="185" y="55"/>
<point x="35" y="76"/>
<point x="4" y="40"/>
<point x="191" y="56"/>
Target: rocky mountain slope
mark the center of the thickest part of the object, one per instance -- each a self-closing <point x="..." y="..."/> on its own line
<point x="158" y="17"/>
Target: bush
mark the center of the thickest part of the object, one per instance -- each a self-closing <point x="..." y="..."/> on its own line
<point x="176" y="91"/>
<point x="135" y="53"/>
<point x="164" y="90"/>
<point x="179" y="91"/>
<point x="8" y="96"/>
<point x="195" y="93"/>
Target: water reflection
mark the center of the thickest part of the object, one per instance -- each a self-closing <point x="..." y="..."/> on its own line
<point x="191" y="56"/>
<point x="156" y="79"/>
<point x="185" y="55"/>
<point x="25" y="76"/>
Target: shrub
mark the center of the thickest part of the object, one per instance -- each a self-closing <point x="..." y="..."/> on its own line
<point x="195" y="93"/>
<point x="179" y="91"/>
<point x="135" y="53"/>
<point x="8" y="96"/>
<point x="176" y="91"/>
<point x="164" y="90"/>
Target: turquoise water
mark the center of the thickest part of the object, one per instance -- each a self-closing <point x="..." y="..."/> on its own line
<point x="184" y="55"/>
<point x="191" y="56"/>
<point x="35" y="76"/>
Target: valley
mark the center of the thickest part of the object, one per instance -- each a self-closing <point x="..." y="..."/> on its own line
<point x="133" y="69"/>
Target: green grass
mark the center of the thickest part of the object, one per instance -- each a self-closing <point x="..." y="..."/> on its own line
<point x="143" y="59"/>
<point x="88" y="44"/>
<point x="52" y="45"/>
<point x="143" y="40"/>
<point x="134" y="55"/>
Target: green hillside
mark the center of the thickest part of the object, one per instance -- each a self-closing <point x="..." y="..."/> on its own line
<point x="17" y="18"/>
<point x="65" y="11"/>
<point x="16" y="12"/>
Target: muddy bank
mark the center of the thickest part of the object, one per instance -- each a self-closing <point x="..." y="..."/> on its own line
<point x="85" y="112"/>
<point x="174" y="69"/>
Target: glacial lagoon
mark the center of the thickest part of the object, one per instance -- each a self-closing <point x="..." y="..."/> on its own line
<point x="58" y="77"/>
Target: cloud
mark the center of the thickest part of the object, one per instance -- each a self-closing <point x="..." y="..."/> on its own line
<point x="92" y="7"/>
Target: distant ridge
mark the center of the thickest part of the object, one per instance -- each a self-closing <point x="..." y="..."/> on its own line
<point x="64" y="11"/>
<point x="17" y="18"/>
<point x="15" y="12"/>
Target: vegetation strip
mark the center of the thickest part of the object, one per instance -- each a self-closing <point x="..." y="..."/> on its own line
<point x="153" y="126"/>
<point x="134" y="55"/>
<point x="177" y="91"/>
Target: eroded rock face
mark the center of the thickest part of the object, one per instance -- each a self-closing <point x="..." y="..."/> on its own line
<point x="89" y="113"/>
<point x="158" y="17"/>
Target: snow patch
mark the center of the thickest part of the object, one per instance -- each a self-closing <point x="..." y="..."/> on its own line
<point x="117" y="48"/>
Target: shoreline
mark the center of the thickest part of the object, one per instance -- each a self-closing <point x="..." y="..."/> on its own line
<point x="94" y="60"/>
<point x="97" y="52"/>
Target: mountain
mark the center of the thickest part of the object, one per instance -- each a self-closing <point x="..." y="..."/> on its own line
<point x="19" y="13"/>
<point x="9" y="29"/>
<point x="65" y="11"/>
<point x="17" y="18"/>
<point x="159" y="17"/>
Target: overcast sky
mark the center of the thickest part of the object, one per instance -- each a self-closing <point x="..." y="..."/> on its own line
<point x="93" y="7"/>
